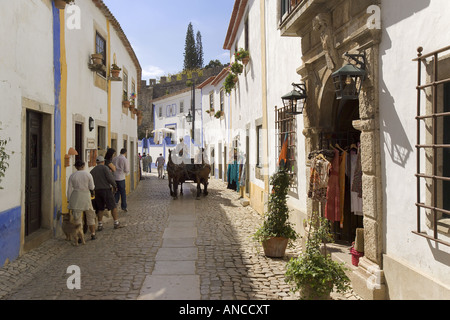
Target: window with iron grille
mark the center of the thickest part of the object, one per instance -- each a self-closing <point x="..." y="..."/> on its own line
<point x="286" y="131"/>
<point x="433" y="146"/>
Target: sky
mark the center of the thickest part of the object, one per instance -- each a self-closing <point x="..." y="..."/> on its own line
<point x="157" y="30"/>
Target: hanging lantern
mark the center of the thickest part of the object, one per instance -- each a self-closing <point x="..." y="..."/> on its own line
<point x="349" y="79"/>
<point x="189" y="117"/>
<point x="294" y="101"/>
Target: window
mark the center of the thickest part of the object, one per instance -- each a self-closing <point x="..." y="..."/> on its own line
<point x="286" y="8"/>
<point x="286" y="131"/>
<point x="259" y="138"/>
<point x="222" y="99"/>
<point x="125" y="86"/>
<point x="181" y="106"/>
<point x="100" y="47"/>
<point x="246" y="34"/>
<point x="211" y="100"/>
<point x="433" y="147"/>
<point x="160" y="113"/>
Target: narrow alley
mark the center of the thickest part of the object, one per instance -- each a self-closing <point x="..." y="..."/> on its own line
<point x="183" y="249"/>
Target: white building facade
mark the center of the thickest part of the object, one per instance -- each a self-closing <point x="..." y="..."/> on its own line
<point x="60" y="106"/>
<point x="405" y="211"/>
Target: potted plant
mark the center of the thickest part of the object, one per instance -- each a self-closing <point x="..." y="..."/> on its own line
<point x="242" y="55"/>
<point x="230" y="82"/>
<point x="314" y="273"/>
<point x="237" y="68"/>
<point x="97" y="58"/>
<point x="219" y="114"/>
<point x="61" y="4"/>
<point x="125" y="101"/>
<point x="276" y="230"/>
<point x="115" y="70"/>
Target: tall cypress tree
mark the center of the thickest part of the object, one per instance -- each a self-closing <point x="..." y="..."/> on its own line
<point x="199" y="46"/>
<point x="190" y="50"/>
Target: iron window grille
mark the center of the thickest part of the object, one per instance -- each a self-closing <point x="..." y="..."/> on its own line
<point x="286" y="130"/>
<point x="434" y="116"/>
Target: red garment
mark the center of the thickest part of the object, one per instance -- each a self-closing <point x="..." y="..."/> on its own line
<point x="332" y="207"/>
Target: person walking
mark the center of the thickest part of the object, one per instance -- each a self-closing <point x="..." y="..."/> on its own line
<point x="104" y="196"/>
<point x="160" y="165"/>
<point x="109" y="156"/>
<point x="150" y="160"/>
<point x="122" y="170"/>
<point x="144" y="163"/>
<point x="80" y="187"/>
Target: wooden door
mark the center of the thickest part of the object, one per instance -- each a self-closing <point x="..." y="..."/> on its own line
<point x="33" y="173"/>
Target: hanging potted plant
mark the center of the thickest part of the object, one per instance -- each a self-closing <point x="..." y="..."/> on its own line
<point x="242" y="55"/>
<point x="237" y="68"/>
<point x="276" y="230"/>
<point x="115" y="70"/>
<point x="314" y="273"/>
<point x="61" y="4"/>
<point x="230" y="82"/>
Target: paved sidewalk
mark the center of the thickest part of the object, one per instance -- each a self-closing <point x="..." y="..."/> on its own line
<point x="183" y="249"/>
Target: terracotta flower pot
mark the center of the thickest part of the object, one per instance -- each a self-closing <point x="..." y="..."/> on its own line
<point x="275" y="247"/>
<point x="245" y="61"/>
<point x="115" y="73"/>
<point x="126" y="104"/>
<point x="308" y="293"/>
<point x="97" y="58"/>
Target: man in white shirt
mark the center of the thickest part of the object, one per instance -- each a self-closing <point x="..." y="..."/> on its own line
<point x="122" y="170"/>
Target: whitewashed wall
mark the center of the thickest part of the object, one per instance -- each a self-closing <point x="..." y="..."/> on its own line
<point x="407" y="25"/>
<point x="27" y="55"/>
<point x="283" y="58"/>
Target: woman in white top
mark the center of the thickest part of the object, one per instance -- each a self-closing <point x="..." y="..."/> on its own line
<point x="80" y="187"/>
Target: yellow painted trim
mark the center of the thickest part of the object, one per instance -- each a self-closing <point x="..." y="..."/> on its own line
<point x="109" y="81"/>
<point x="264" y="95"/>
<point x="63" y="108"/>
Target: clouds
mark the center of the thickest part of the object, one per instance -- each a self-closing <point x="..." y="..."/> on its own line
<point x="152" y="72"/>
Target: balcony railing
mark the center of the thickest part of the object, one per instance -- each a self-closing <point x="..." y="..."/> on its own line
<point x="287" y="6"/>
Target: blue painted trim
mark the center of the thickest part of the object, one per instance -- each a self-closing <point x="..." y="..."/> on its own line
<point x="10" y="225"/>
<point x="57" y="114"/>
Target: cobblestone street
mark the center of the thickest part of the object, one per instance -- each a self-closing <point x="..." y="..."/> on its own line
<point x="219" y="256"/>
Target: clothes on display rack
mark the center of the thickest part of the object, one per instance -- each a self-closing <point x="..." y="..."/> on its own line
<point x="355" y="199"/>
<point x="233" y="176"/>
<point x="342" y="173"/>
<point x="318" y="183"/>
<point x="332" y="207"/>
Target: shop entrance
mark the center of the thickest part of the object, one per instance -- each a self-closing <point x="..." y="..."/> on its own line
<point x="344" y="138"/>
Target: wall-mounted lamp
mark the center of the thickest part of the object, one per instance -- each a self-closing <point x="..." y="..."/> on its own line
<point x="295" y="100"/>
<point x="349" y="79"/>
<point x="189" y="117"/>
<point x="91" y="124"/>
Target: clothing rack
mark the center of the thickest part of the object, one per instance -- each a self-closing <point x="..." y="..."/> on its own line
<point x="343" y="139"/>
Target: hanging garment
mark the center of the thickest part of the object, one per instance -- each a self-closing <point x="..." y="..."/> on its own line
<point x="332" y="207"/>
<point x="233" y="175"/>
<point x="318" y="181"/>
<point x="342" y="170"/>
<point x="356" y="201"/>
<point x="357" y="179"/>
